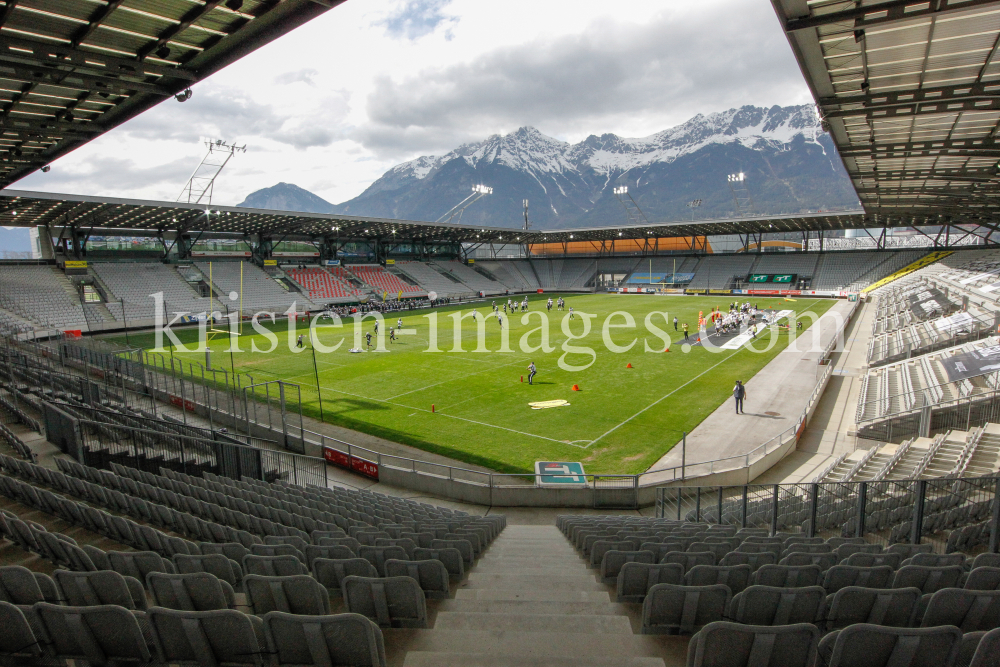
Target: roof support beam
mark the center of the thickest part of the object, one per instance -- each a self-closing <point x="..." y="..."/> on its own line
<point x="45" y="53"/>
<point x="883" y="12"/>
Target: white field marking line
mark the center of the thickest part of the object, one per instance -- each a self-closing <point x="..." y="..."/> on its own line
<point x="663" y="398"/>
<point x="486" y="370"/>
<point x="659" y="400"/>
<point x="471" y="421"/>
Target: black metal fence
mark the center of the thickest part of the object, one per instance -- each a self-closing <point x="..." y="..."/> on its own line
<point x="959" y="514"/>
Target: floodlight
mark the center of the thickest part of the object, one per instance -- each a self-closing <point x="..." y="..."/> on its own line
<point x="184" y="96"/>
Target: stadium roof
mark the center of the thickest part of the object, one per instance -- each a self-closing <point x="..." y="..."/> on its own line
<point x="910" y="91"/>
<point x="71" y="70"/>
<point x="30" y="209"/>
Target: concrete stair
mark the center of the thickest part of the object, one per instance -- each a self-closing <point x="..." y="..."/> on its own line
<point x="532" y="600"/>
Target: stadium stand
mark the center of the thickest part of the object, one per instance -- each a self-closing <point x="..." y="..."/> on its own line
<point x="135" y="282"/>
<point x="432" y="280"/>
<point x="322" y="285"/>
<point x="382" y="281"/>
<point x="41" y="295"/>
<point x="474" y="280"/>
<point x="260" y="291"/>
<point x="516" y="275"/>
<point x="720" y="272"/>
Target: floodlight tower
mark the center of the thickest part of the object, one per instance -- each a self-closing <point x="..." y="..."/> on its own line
<point x="633" y="213"/>
<point x="198" y="189"/>
<point x="455" y="214"/>
<point x="693" y="205"/>
<point x="741" y="194"/>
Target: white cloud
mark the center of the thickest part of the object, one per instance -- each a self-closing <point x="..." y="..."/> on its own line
<point x="337" y="102"/>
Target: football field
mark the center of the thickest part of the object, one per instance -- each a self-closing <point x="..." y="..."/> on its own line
<point x="620" y="421"/>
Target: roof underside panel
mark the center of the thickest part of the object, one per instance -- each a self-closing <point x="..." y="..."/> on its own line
<point x="910" y="91"/>
<point x="71" y="70"/>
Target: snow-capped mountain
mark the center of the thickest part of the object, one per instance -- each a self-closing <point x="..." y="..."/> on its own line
<point x="790" y="164"/>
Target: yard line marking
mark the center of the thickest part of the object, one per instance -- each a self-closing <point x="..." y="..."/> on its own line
<point x="451" y="379"/>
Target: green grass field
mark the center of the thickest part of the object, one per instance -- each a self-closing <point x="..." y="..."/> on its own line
<point x="621" y="421"/>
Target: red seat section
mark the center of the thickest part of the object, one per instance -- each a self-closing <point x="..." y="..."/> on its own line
<point x="323" y="284"/>
<point x="382" y="280"/>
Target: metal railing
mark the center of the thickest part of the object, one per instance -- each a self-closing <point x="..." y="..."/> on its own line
<point x="952" y="514"/>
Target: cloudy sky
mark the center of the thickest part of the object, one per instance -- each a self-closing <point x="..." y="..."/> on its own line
<point x="333" y="105"/>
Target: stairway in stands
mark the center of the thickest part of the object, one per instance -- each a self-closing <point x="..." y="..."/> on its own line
<point x="532" y="600"/>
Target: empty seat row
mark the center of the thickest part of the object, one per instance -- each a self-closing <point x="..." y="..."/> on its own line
<point x="670" y="608"/>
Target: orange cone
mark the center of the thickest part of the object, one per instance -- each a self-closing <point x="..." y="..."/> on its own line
<point x="522" y="378"/>
<point x="666" y="349"/>
<point x="629" y="365"/>
<point x="432" y="407"/>
<point x="576" y="387"/>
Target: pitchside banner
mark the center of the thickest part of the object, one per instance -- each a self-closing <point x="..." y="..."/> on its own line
<point x="970" y="364"/>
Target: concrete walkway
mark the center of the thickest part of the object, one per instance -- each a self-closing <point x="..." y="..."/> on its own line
<point x="531" y="600"/>
<point x="776" y="396"/>
<point x="830" y="432"/>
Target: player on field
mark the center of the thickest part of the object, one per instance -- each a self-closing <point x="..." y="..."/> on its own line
<point x="399" y="323"/>
<point x="572" y="316"/>
<point x="298" y="343"/>
<point x="531" y="371"/>
<point x="368" y="337"/>
<point x="392" y="335"/>
<point x="376" y="327"/>
<point x="474" y="314"/>
<point x="500" y="319"/>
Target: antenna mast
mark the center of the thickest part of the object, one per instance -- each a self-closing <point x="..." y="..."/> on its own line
<point x="198" y="189"/>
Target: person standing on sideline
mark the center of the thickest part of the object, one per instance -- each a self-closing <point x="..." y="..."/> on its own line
<point x="685" y="327"/>
<point x="531" y="371"/>
<point x="739" y="393"/>
<point x="675" y="323"/>
<point x="298" y="343"/>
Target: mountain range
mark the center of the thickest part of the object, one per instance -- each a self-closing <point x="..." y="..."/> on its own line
<point x="790" y="166"/>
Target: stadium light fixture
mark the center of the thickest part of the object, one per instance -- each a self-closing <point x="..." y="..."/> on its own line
<point x="482" y="189"/>
<point x="737" y="178"/>
<point x="621" y="190"/>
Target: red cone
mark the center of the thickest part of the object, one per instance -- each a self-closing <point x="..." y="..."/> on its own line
<point x="576" y="387"/>
<point x="629" y="365"/>
<point x="432" y="407"/>
<point x="522" y="378"/>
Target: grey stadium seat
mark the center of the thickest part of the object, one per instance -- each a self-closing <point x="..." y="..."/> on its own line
<point x="874" y="560"/>
<point x="194" y="591"/>
<point x="99" y="635"/>
<point x="635" y="579"/>
<point x="342" y="639"/>
<point x="767" y="605"/>
<point x="377" y="556"/>
<point x="927" y="579"/>
<point x="934" y="560"/>
<point x="390" y="601"/>
<point x="688" y="559"/>
<point x="865" y="645"/>
<point x="787" y="576"/>
<point x="314" y="551"/>
<point x="601" y="546"/>
<point x="464" y="547"/>
<point x="406" y="544"/>
<point x="299" y="594"/>
<point x="88" y="589"/>
<point x="908" y="550"/>
<point x="234" y="551"/>
<point x="983" y="579"/>
<point x="451" y="558"/>
<point x="273" y="550"/>
<point x="824" y="560"/>
<point x="847" y="550"/>
<point x="987" y="651"/>
<point x="724" y="644"/>
<point x="138" y="564"/>
<point x="332" y="572"/>
<point x="894" y="607"/>
<point x="986" y="560"/>
<point x="755" y="561"/>
<point x="18" y="585"/>
<point x="297" y="542"/>
<point x="967" y="610"/>
<point x="18" y="643"/>
<point x="430" y="574"/>
<point x="345" y="541"/>
<point x="613" y="561"/>
<point x="273" y="566"/>
<point x="841" y="576"/>
<point x="670" y="608"/>
<point x="224" y="568"/>
<point x="195" y="638"/>
<point x="736" y="577"/>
